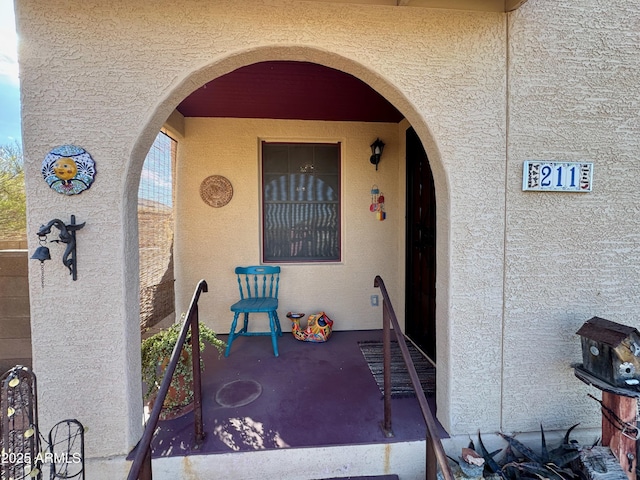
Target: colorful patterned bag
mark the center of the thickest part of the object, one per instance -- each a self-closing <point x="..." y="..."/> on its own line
<point x="319" y="327"/>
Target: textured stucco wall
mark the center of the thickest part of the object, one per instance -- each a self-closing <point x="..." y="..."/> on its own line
<point x="211" y="242"/>
<point x="518" y="273"/>
<point x="573" y="96"/>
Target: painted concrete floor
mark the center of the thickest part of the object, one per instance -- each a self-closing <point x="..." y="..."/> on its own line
<point x="311" y="395"/>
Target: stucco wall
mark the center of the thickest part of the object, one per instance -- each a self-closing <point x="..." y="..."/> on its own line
<point x="574" y="69"/>
<point x="211" y="242"/>
<point x="106" y="77"/>
<point x="517" y="272"/>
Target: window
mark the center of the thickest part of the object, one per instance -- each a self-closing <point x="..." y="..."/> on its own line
<point x="300" y="202"/>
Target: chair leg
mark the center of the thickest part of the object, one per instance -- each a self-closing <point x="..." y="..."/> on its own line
<point x="273" y="324"/>
<point x="232" y="334"/>
<point x="278" y="324"/>
<point x="246" y="322"/>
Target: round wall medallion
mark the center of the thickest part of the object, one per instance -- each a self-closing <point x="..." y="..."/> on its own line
<point x="68" y="169"/>
<point x="216" y="191"/>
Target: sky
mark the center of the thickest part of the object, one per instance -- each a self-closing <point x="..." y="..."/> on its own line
<point x="10" y="131"/>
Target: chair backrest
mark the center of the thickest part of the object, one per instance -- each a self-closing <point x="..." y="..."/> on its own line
<point x="258" y="281"/>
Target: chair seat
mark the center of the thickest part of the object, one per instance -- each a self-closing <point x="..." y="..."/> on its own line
<point x="255" y="305"/>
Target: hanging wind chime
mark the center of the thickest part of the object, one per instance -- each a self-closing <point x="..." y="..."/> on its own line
<point x="377" y="203"/>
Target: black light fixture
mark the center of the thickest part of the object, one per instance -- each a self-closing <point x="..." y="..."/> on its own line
<point x="376" y="150"/>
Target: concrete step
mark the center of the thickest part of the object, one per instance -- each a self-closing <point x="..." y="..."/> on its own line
<point x="359" y="462"/>
<point x="376" y="477"/>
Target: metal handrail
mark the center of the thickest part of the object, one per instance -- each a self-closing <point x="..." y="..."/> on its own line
<point x="141" y="467"/>
<point x="435" y="452"/>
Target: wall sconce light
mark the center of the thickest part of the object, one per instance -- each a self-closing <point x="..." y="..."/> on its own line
<point x="376" y="150"/>
<point x="68" y="236"/>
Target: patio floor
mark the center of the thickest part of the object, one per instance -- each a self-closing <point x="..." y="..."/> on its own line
<point x="311" y="395"/>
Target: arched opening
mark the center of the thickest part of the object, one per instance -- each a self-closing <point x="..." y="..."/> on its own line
<point x="188" y="199"/>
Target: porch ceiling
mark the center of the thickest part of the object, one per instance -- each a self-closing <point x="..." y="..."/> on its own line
<point x="289" y="90"/>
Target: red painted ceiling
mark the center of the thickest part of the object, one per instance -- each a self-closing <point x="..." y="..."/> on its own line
<point x="289" y="90"/>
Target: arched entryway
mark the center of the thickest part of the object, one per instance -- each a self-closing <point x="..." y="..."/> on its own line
<point x="219" y="69"/>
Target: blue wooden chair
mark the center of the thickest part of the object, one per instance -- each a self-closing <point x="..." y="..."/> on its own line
<point x="258" y="294"/>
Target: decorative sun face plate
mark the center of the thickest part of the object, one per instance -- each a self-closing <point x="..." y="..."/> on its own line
<point x="69" y="169"/>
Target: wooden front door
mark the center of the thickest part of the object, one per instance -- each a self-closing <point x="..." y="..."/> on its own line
<point x="421" y="248"/>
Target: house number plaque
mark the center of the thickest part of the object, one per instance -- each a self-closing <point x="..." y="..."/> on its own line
<point x="546" y="176"/>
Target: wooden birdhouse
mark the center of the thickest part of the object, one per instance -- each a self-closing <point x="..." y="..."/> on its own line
<point x="611" y="352"/>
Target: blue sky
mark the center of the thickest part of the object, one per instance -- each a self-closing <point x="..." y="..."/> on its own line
<point x="9" y="86"/>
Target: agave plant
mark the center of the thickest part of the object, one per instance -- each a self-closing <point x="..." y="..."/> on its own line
<point x="548" y="464"/>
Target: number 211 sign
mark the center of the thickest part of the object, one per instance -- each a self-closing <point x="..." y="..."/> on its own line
<point x="557" y="176"/>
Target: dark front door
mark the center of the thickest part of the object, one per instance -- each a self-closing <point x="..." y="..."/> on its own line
<point x="421" y="248"/>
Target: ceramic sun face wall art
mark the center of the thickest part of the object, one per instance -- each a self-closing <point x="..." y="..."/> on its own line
<point x="69" y="169"/>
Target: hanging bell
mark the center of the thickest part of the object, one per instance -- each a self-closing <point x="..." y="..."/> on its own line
<point x="42" y="254"/>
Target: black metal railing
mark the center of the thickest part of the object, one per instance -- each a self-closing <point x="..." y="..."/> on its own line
<point x="141" y="467"/>
<point x="436" y="455"/>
